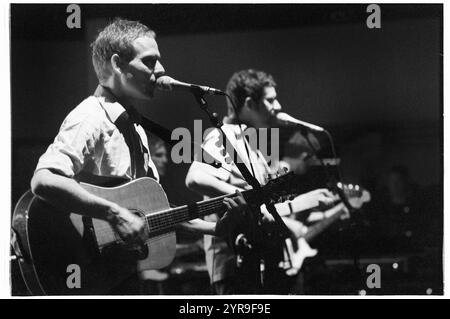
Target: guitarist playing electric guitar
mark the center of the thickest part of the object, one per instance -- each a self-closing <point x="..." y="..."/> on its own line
<point x="255" y="97"/>
<point x="101" y="141"/>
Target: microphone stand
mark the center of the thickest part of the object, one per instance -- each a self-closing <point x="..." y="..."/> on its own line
<point x="256" y="229"/>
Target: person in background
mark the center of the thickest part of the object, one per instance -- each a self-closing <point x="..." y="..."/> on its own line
<point x="159" y="154"/>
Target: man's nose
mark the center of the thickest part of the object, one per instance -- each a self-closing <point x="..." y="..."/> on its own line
<point x="276" y="106"/>
<point x="159" y="69"/>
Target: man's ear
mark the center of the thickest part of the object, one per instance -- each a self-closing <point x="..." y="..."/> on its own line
<point x="250" y="103"/>
<point x="116" y="64"/>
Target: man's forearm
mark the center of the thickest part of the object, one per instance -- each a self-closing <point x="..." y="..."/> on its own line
<point x="199" y="226"/>
<point x="208" y="185"/>
<point x="283" y="209"/>
<point x="67" y="195"/>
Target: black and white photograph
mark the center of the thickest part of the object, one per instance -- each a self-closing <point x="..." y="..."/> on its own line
<point x="213" y="149"/>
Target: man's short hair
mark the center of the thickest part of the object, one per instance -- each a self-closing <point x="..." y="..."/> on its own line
<point x="247" y="83"/>
<point x="116" y="37"/>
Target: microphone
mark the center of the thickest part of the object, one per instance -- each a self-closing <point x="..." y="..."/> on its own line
<point x="291" y="120"/>
<point x="166" y="83"/>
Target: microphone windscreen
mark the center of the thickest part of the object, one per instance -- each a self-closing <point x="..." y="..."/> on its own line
<point x="286" y="117"/>
<point x="164" y="83"/>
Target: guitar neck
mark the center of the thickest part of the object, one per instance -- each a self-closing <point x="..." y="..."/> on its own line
<point x="166" y="220"/>
<point x="319" y="227"/>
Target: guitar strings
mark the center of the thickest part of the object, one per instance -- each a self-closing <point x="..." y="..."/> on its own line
<point x="161" y="221"/>
<point x="169" y="218"/>
<point x="166" y="219"/>
<point x="158" y="221"/>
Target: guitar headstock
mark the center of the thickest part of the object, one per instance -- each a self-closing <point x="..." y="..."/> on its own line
<point x="282" y="187"/>
<point x="356" y="195"/>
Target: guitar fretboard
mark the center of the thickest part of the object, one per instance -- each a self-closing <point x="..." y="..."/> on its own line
<point x="166" y="220"/>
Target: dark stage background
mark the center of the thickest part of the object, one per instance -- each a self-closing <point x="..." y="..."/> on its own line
<point x="378" y="91"/>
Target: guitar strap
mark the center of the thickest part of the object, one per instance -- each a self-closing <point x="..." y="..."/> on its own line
<point x="166" y="135"/>
<point x="251" y="180"/>
<point x="162" y="132"/>
<point x="138" y="153"/>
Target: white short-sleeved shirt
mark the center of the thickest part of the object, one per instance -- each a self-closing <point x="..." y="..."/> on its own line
<point x="88" y="142"/>
<point x="220" y="259"/>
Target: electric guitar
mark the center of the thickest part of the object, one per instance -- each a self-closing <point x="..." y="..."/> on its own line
<point x="67" y="253"/>
<point x="356" y="196"/>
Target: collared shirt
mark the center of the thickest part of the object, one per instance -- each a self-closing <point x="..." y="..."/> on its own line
<point x="89" y="143"/>
<point x="220" y="260"/>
